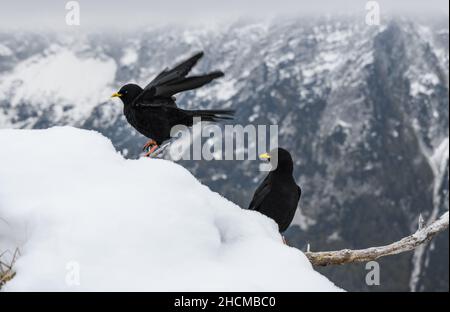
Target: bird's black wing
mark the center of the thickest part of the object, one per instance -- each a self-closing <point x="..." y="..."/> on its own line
<point x="170" y="75"/>
<point x="183" y="84"/>
<point x="141" y="102"/>
<point x="170" y="115"/>
<point x="172" y="81"/>
<point x="176" y="115"/>
<point x="260" y="194"/>
<point x="299" y="191"/>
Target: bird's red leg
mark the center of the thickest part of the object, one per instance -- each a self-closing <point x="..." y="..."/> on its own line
<point x="150" y="143"/>
<point x="154" y="147"/>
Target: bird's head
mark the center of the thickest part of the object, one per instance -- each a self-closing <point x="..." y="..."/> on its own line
<point x="128" y="93"/>
<point x="279" y="158"/>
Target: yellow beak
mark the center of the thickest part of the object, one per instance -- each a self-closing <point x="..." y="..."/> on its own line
<point x="116" y="95"/>
<point x="264" y="156"/>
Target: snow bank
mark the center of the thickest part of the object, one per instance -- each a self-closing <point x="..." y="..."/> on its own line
<point x="85" y="218"/>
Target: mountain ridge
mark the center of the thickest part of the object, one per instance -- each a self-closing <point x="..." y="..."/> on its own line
<point x="362" y="109"/>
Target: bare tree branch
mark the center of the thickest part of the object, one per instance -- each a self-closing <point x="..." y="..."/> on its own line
<point x="423" y="235"/>
<point x="6" y="269"/>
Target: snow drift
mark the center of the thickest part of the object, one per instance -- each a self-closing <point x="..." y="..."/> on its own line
<point x="85" y="218"/>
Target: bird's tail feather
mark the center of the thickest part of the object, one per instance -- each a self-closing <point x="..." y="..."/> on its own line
<point x="213" y="115"/>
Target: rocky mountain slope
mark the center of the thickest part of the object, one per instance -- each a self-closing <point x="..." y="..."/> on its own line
<point x="363" y="109"/>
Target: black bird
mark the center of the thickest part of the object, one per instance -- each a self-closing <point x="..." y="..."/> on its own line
<point x="153" y="112"/>
<point x="278" y="195"/>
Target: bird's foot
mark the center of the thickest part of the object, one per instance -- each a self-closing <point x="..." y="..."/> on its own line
<point x="158" y="153"/>
<point x="149" y="144"/>
<point x="151" y="150"/>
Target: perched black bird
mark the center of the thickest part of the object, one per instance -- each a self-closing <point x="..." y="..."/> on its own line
<point x="153" y="112"/>
<point x="278" y="195"/>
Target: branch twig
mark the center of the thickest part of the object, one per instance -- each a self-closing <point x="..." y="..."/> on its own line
<point x="6" y="270"/>
<point x="423" y="235"/>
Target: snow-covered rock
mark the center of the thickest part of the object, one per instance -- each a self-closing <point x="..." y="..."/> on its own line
<point x="85" y="218"/>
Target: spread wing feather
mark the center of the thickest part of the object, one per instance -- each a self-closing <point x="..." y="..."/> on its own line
<point x="178" y="72"/>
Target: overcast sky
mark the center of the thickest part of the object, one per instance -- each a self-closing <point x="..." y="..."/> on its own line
<point x="112" y="13"/>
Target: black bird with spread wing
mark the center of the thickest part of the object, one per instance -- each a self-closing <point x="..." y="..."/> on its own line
<point x="278" y="195"/>
<point x="153" y="112"/>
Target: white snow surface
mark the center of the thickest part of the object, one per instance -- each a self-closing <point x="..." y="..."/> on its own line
<point x="86" y="219"/>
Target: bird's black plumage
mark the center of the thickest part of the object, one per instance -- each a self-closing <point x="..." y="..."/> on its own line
<point x="278" y="195"/>
<point x="152" y="110"/>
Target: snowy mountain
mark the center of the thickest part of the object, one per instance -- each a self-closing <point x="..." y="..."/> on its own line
<point x="363" y="109"/>
<point x="95" y="221"/>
